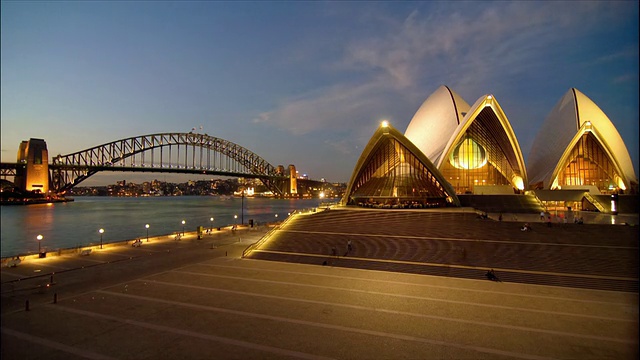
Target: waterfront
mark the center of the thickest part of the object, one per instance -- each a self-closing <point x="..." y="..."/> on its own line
<point x="73" y="224"/>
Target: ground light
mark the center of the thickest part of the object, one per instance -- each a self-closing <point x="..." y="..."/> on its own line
<point x="39" y="238"/>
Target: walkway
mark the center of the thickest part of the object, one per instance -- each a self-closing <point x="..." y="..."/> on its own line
<point x="232" y="308"/>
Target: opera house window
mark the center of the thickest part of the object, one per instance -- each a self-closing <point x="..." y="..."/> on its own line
<point x="588" y="164"/>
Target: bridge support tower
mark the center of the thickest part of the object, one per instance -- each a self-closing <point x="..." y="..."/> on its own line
<point x="293" y="181"/>
<point x="35" y="175"/>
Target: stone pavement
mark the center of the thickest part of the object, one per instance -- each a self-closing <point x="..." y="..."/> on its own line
<point x="185" y="300"/>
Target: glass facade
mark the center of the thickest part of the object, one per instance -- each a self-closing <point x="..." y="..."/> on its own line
<point x="394" y="177"/>
<point x="588" y="164"/>
<point x="483" y="157"/>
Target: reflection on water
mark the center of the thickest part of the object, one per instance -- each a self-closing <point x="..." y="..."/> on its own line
<point x="67" y="225"/>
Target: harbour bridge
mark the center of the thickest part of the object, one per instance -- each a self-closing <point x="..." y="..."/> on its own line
<point x="186" y="153"/>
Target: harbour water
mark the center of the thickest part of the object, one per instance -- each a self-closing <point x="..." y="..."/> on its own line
<point x="73" y="224"/>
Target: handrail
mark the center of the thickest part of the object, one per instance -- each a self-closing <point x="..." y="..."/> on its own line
<point x="262" y="240"/>
<point x="595" y="202"/>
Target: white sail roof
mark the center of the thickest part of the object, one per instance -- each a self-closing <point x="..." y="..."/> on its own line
<point x="435" y="121"/>
<point x="574" y="111"/>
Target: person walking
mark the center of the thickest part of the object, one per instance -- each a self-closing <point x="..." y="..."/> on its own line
<point x="349" y="246"/>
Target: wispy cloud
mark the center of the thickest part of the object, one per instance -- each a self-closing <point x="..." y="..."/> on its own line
<point x="626" y="78"/>
<point x="470" y="47"/>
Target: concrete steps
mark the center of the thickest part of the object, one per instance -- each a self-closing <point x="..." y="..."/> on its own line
<point x="461" y="245"/>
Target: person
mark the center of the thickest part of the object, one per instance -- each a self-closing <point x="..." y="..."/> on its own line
<point x="333" y="251"/>
<point x="549" y="221"/>
<point x="500" y="217"/>
<point x="541" y="215"/>
<point x="349" y="245"/>
<point x="526" y="227"/>
<point x="491" y="275"/>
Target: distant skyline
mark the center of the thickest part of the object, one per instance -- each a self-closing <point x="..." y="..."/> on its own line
<point x="304" y="83"/>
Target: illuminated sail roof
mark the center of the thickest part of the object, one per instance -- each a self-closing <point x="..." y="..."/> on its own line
<point x="445" y="126"/>
<point x="435" y="121"/>
<point x="574" y="116"/>
<point x="392" y="169"/>
<point x="493" y="131"/>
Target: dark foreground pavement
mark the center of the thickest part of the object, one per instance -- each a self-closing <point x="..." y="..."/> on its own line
<point x="185" y="300"/>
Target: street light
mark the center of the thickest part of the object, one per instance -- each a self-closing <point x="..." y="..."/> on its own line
<point x="101" y="231"/>
<point x="211" y="224"/>
<point x="242" y="208"/>
<point x="147" y="226"/>
<point x="39" y="237"/>
<point x="235" y="217"/>
<point x="183" y="222"/>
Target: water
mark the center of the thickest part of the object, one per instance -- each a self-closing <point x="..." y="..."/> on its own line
<point x="73" y="224"/>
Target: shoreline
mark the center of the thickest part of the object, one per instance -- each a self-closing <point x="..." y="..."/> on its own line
<point x="35" y="201"/>
<point x="9" y="261"/>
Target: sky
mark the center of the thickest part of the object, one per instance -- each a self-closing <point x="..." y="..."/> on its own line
<point x="304" y="83"/>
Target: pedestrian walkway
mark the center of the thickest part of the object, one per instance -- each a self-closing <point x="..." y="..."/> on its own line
<point x="233" y="308"/>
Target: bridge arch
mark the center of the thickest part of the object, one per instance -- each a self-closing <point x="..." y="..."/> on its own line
<point x="164" y="152"/>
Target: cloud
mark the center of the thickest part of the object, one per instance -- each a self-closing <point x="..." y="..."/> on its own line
<point x="476" y="48"/>
<point x="626" y="78"/>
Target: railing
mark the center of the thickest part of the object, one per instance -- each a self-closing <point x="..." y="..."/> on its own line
<point x="268" y="235"/>
<point x="595" y="202"/>
<point x="529" y="192"/>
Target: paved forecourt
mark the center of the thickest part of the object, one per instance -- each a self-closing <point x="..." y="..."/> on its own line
<point x="225" y="307"/>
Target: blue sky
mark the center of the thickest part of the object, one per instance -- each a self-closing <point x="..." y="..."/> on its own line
<point x="304" y="83"/>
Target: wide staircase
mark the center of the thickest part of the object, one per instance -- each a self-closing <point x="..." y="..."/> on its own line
<point x="502" y="203"/>
<point x="461" y="245"/>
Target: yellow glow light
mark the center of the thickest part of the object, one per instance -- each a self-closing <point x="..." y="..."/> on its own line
<point x="468" y="155"/>
<point x="518" y="182"/>
<point x="385" y="123"/>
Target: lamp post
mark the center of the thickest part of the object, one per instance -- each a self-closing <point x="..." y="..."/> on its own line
<point x="242" y="208"/>
<point x="211" y="224"/>
<point x="39" y="237"/>
<point x="101" y="231"/>
<point x="147" y="226"/>
<point x="183" y="222"/>
<point x="235" y="217"/>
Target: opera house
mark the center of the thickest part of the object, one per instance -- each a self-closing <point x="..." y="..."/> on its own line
<point x="454" y="154"/>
